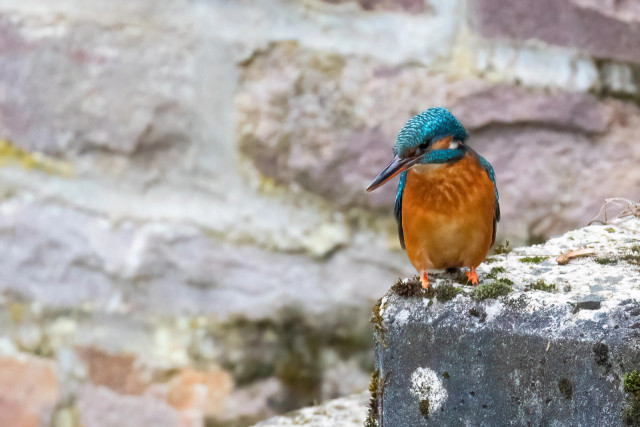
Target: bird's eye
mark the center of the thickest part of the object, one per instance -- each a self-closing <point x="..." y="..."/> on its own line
<point x="423" y="146"/>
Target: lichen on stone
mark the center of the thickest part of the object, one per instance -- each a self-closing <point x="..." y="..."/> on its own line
<point x="426" y="385"/>
<point x="9" y="153"/>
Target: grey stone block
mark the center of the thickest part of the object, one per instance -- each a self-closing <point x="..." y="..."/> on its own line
<point x="553" y="351"/>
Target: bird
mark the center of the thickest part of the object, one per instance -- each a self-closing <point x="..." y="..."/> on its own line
<point x="447" y="204"/>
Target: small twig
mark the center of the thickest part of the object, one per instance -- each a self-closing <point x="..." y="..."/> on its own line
<point x="565" y="257"/>
<point x="627" y="208"/>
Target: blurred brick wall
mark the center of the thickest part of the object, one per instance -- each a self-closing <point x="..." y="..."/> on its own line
<point x="185" y="230"/>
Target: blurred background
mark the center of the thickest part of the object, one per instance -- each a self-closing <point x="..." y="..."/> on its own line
<point x="186" y="239"/>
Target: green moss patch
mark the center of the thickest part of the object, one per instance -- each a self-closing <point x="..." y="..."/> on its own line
<point x="372" y="414"/>
<point x="541" y="285"/>
<point x="631" y="382"/>
<point x="633" y="256"/>
<point x="447" y="292"/>
<point x="631" y="411"/>
<point x="609" y="230"/>
<point x="377" y="322"/>
<point x="533" y="259"/>
<point x="606" y="261"/>
<point x="495" y="289"/>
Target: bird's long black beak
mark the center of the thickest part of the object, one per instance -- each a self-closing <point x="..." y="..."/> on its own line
<point x="396" y="166"/>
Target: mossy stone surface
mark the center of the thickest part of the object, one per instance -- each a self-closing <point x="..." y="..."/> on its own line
<point x="534" y="343"/>
<point x="631" y="381"/>
<point x="541" y="285"/>
<point x="492" y="290"/>
<point x="533" y="259"/>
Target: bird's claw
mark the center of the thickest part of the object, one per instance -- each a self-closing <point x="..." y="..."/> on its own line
<point x="424" y="280"/>
<point x="472" y="276"/>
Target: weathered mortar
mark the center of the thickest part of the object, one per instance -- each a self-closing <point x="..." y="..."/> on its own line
<point x="551" y="348"/>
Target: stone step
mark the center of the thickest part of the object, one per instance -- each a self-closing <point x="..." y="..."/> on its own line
<point x="537" y="343"/>
<point x="347" y="411"/>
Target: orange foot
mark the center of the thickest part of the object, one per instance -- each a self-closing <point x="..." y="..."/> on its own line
<point x="472" y="276"/>
<point x="424" y="279"/>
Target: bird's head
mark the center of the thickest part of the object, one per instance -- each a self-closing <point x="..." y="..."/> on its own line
<point x="435" y="128"/>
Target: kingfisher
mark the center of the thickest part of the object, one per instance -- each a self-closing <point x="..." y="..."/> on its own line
<point x="447" y="200"/>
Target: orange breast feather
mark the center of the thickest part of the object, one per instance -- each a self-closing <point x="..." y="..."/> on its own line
<point x="447" y="215"/>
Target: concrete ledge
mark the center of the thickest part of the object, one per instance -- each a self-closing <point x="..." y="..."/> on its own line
<point x="536" y="344"/>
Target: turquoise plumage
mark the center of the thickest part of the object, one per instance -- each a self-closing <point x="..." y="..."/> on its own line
<point x="447" y="203"/>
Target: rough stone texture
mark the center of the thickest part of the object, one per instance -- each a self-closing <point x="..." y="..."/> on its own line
<point x="347" y="411"/>
<point x="502" y="105"/>
<point x="28" y="391"/>
<point x="552" y="351"/>
<point x="170" y="269"/>
<point x="565" y="139"/>
<point x="115" y="371"/>
<point x="606" y="29"/>
<point x="35" y="84"/>
<point x="181" y="183"/>
<point x="414" y="6"/>
<point x="204" y="391"/>
<point x="100" y="407"/>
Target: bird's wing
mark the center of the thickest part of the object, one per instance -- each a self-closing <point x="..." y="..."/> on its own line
<point x="397" y="210"/>
<point x="492" y="176"/>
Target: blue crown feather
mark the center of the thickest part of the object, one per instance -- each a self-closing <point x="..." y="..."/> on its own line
<point x="428" y="126"/>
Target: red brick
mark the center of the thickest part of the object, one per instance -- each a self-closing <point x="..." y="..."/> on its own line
<point x="28" y="391"/>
